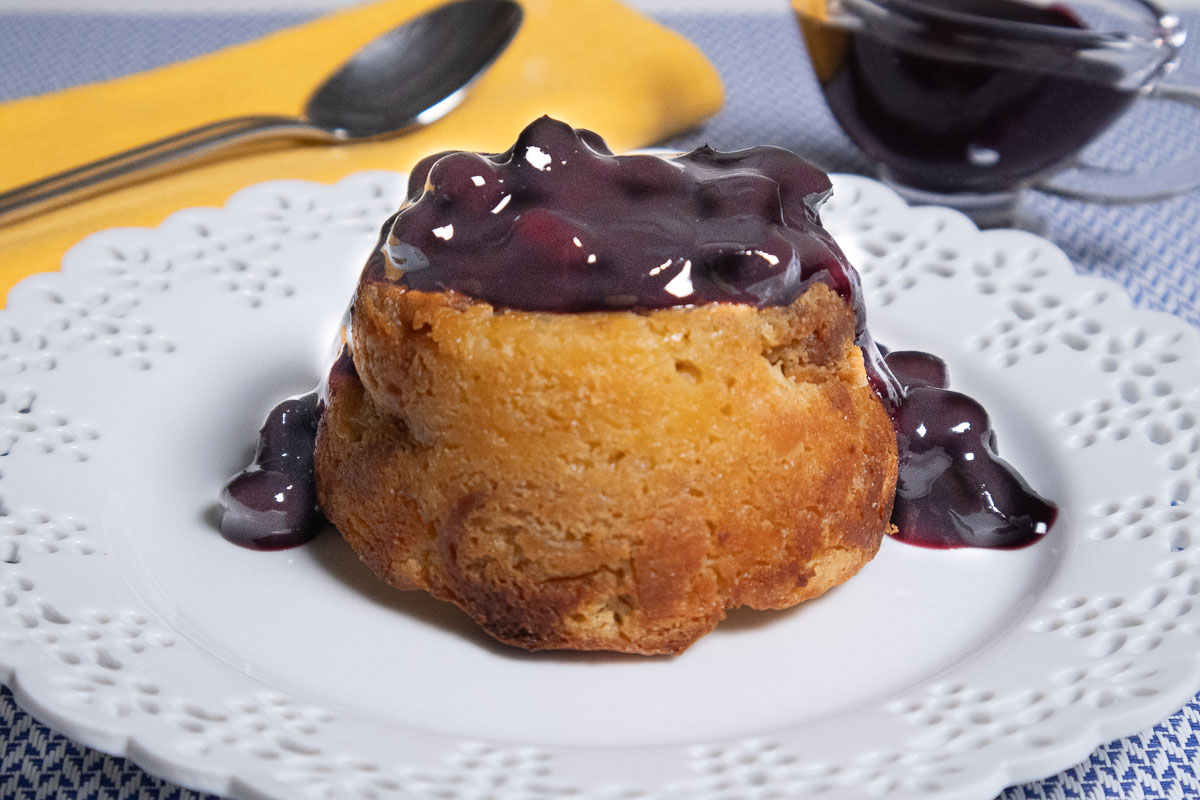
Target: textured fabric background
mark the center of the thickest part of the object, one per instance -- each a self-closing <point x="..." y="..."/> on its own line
<point x="772" y="98"/>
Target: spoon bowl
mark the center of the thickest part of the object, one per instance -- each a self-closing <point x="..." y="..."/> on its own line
<point x="416" y="73"/>
<point x="406" y="78"/>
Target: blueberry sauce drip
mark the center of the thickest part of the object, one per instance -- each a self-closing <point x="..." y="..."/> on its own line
<point x="342" y="370"/>
<point x="953" y="489"/>
<point x="272" y="504"/>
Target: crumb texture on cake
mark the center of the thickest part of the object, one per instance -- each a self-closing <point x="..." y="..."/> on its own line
<point x="606" y="481"/>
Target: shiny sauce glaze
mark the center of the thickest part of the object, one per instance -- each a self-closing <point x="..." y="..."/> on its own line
<point x="559" y="224"/>
<point x="272" y="504"/>
<point x="953" y="489"/>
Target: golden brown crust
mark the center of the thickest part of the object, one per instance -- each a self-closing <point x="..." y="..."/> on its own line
<point x="604" y="480"/>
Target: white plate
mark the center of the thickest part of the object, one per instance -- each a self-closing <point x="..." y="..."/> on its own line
<point x="134" y="382"/>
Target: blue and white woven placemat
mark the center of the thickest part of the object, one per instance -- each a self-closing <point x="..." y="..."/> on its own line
<point x="772" y="98"/>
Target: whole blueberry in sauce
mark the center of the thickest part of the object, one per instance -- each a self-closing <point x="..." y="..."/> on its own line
<point x="557" y="223"/>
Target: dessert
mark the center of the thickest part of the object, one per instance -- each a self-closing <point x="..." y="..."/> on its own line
<point x="596" y="401"/>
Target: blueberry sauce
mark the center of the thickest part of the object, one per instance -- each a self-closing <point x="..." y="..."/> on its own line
<point x="559" y="224"/>
<point x="944" y="119"/>
<point x="953" y="489"/>
<point x="272" y="504"/>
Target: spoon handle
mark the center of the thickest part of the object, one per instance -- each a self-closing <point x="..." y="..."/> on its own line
<point x="149" y="159"/>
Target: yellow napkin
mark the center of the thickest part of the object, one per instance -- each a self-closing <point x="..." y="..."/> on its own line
<point x="592" y="63"/>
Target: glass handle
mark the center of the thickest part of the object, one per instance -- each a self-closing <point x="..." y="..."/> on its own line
<point x="1096" y="184"/>
<point x="1110" y="186"/>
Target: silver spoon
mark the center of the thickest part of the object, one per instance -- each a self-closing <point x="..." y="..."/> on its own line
<point x="408" y="77"/>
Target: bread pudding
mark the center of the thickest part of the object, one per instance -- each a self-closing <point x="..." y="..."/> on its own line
<point x="596" y="401"/>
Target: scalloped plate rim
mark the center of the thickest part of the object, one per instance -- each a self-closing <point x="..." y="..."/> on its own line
<point x="1012" y="770"/>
